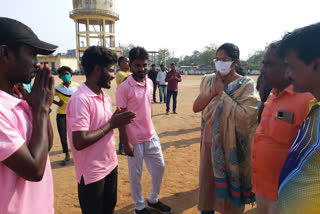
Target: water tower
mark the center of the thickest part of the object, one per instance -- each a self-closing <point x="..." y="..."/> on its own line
<point x="95" y="24"/>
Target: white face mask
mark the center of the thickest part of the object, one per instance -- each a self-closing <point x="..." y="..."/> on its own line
<point x="224" y="68"/>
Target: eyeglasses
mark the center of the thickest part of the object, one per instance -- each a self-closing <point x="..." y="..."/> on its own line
<point x="224" y="59"/>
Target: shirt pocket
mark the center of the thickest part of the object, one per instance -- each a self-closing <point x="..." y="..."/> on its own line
<point x="283" y="132"/>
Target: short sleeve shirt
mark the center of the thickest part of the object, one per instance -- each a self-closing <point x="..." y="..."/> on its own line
<point x="64" y="93"/>
<point x="18" y="195"/>
<point x="274" y="137"/>
<point x="121" y="76"/>
<point x="87" y="111"/>
<point x="136" y="97"/>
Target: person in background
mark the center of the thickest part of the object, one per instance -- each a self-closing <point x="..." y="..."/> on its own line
<point x="152" y="74"/>
<point x="264" y="92"/>
<point x="229" y="105"/>
<point x="161" y="81"/>
<point x="64" y="91"/>
<point x="173" y="77"/>
<point x="26" y="135"/>
<point x="299" y="180"/>
<point x="284" y="112"/>
<point x="121" y="76"/>
<point x="124" y="72"/>
<point x="90" y="125"/>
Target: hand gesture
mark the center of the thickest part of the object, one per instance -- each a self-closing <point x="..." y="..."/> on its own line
<point x="219" y="83"/>
<point x="42" y="92"/>
<point x="121" y="118"/>
<point x="60" y="103"/>
<point x="128" y="149"/>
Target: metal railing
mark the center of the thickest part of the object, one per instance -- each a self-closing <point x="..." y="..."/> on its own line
<point x="94" y="11"/>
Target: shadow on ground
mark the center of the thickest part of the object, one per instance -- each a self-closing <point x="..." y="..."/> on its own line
<point x="184" y="200"/>
<point x="178" y="132"/>
<point x="57" y="164"/>
<point x="180" y="143"/>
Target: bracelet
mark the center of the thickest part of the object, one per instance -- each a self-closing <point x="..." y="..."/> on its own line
<point x="102" y="131"/>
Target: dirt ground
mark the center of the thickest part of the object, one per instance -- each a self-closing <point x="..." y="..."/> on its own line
<point x="180" y="139"/>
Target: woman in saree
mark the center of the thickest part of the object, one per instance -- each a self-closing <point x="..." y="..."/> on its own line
<point x="229" y="104"/>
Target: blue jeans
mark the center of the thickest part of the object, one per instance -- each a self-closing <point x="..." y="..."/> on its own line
<point x="163" y="91"/>
<point x="174" y="97"/>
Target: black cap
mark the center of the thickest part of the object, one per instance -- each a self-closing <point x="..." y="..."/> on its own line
<point x="13" y="31"/>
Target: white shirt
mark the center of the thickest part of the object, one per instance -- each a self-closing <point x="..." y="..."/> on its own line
<point x="161" y="78"/>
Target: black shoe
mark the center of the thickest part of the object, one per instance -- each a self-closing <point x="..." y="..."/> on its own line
<point x="143" y="211"/>
<point x="175" y="112"/>
<point x="160" y="207"/>
<point x="155" y="101"/>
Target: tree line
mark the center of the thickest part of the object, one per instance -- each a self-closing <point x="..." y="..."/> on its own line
<point x="203" y="58"/>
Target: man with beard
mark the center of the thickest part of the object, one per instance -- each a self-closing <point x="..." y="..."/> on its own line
<point x="300" y="176"/>
<point x="90" y="125"/>
<point x="279" y="125"/>
<point x="26" y="132"/>
<point x="140" y="139"/>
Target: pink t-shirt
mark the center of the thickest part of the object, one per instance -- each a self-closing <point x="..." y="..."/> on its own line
<point x="137" y="98"/>
<point x="18" y="195"/>
<point x="87" y="111"/>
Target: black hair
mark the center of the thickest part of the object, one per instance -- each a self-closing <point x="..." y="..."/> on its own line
<point x="153" y="65"/>
<point x="234" y="53"/>
<point x="138" y="53"/>
<point x="303" y="41"/>
<point x="121" y="58"/>
<point x="64" y="68"/>
<point x="162" y="65"/>
<point x="96" y="55"/>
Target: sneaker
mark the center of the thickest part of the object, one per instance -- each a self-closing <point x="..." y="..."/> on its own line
<point x="160" y="207"/>
<point x="143" y="211"/>
<point x="175" y="112"/>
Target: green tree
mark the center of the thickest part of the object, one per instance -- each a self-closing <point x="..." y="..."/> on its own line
<point x="126" y="49"/>
<point x="163" y="56"/>
<point x="254" y="61"/>
<point x="208" y="55"/>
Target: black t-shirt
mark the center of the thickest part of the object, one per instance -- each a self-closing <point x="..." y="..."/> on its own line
<point x="153" y="76"/>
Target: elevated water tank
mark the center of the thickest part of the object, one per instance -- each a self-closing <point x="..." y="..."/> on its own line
<point x="95" y="24"/>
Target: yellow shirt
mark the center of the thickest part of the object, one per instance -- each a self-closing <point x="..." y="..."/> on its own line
<point x="64" y="93"/>
<point x="121" y="76"/>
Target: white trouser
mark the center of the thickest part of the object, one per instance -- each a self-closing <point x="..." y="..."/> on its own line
<point x="151" y="152"/>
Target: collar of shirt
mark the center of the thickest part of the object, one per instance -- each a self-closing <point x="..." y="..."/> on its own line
<point x="71" y="84"/>
<point x="84" y="88"/>
<point x="288" y="90"/>
<point x="313" y="103"/>
<point x="9" y="101"/>
<point x="133" y="82"/>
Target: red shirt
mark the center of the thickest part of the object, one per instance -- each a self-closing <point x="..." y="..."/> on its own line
<point x="173" y="83"/>
<point x="274" y="137"/>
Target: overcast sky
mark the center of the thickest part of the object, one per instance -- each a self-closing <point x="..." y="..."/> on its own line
<point x="182" y="26"/>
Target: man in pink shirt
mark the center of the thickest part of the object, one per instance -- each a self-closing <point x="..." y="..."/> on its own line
<point x="26" y="134"/>
<point x="90" y="125"/>
<point x="140" y="139"/>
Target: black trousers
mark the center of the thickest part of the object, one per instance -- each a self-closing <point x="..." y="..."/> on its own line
<point x="99" y="197"/>
<point x="62" y="129"/>
<point x="154" y="91"/>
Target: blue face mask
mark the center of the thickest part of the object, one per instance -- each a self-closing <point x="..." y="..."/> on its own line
<point x="66" y="78"/>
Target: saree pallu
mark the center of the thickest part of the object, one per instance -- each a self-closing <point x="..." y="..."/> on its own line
<point x="234" y="119"/>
